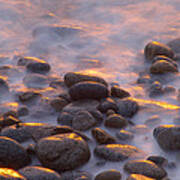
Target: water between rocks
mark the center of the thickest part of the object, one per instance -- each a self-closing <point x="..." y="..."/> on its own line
<point x="104" y="38"/>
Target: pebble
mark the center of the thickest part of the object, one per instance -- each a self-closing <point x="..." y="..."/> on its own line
<point x="72" y="78"/>
<point x="10" y="174"/>
<point x="4" y="87"/>
<point x="102" y="137"/>
<point x="65" y="118"/>
<point x="117" y="152"/>
<point x="146" y="168"/>
<point x="124" y="135"/>
<point x="29" y="96"/>
<point x="109" y="175"/>
<point x="22" y="111"/>
<point x="118" y="92"/>
<point x="139" y="177"/>
<point x="115" y="121"/>
<point x="155" y="89"/>
<point x="158" y="160"/>
<point x="153" y="121"/>
<point x="8" y="120"/>
<point x="39" y="173"/>
<point x="58" y="103"/>
<point x="76" y="175"/>
<point x="88" y="90"/>
<point x="155" y="48"/>
<point x="168" y="136"/>
<point x="12" y="154"/>
<point x="127" y="107"/>
<point x="169" y="89"/>
<point x="63" y="152"/>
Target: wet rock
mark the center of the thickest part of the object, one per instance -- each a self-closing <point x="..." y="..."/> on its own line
<point x="155" y="48"/>
<point x="115" y="121"/>
<point x="155" y="89"/>
<point x="163" y="66"/>
<point x="116" y="91"/>
<point x="57" y="84"/>
<point x="63" y="152"/>
<point x="10" y="174"/>
<point x="29" y="96"/>
<point x="144" y="79"/>
<point x="127" y="107"/>
<point x="146" y="168"/>
<point x="72" y="78"/>
<point x="102" y="137"/>
<point x="35" y="81"/>
<point x="88" y="90"/>
<point x="108" y="175"/>
<point x="39" y="173"/>
<point x="65" y="96"/>
<point x="124" y="135"/>
<point x="153" y="120"/>
<point x="117" y="152"/>
<point x="76" y="175"/>
<point x="158" y="160"/>
<point x="58" y="103"/>
<point x="83" y="120"/>
<point x="169" y="89"/>
<point x="22" y="111"/>
<point x="139" y="177"/>
<point x="175" y="45"/>
<point x="168" y="136"/>
<point x="12" y="154"/>
<point x="140" y="129"/>
<point x="110" y="112"/>
<point x="4" y="88"/>
<point x="107" y="104"/>
<point x="97" y="115"/>
<point x="65" y="118"/>
<point x="8" y="120"/>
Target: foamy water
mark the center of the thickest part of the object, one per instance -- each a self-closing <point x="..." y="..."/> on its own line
<point x="104" y="37"/>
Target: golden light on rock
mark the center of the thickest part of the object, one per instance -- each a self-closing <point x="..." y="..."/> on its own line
<point x="9" y="173"/>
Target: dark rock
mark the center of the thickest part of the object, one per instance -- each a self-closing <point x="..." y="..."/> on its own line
<point x="107" y="104"/>
<point x="109" y="175"/>
<point x="158" y="58"/>
<point x="175" y="45"/>
<point x="97" y="115"/>
<point x="115" y="121"/>
<point x="8" y="120"/>
<point x="144" y="79"/>
<point x="10" y="174"/>
<point x="4" y="88"/>
<point x="102" y="137"/>
<point x="139" y="177"/>
<point x="58" y="103"/>
<point x="22" y="111"/>
<point x="139" y="129"/>
<point x="168" y="136"/>
<point x="65" y="118"/>
<point x="163" y="66"/>
<point x="127" y="107"/>
<point x="88" y="89"/>
<point x="158" y="160"/>
<point x="29" y="96"/>
<point x="76" y="175"/>
<point x="72" y="78"/>
<point x="153" y="120"/>
<point x="146" y="168"/>
<point x="117" y="152"/>
<point x="116" y="91"/>
<point x="83" y="120"/>
<point x="169" y="89"/>
<point x="65" y="96"/>
<point x="57" y="84"/>
<point x="110" y="112"/>
<point x="155" y="89"/>
<point x="124" y="135"/>
<point x="63" y="152"/>
<point x="12" y="154"/>
<point x="31" y="149"/>
<point x="39" y="173"/>
<point x="155" y="48"/>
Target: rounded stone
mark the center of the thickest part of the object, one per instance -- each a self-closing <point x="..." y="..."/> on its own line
<point x="39" y="173"/>
<point x="163" y="66"/>
<point x="175" y="45"/>
<point x="3" y="85"/>
<point x="115" y="121"/>
<point x="109" y="175"/>
<point x="156" y="89"/>
<point x="155" y="48"/>
<point x="158" y="160"/>
<point x="10" y="174"/>
<point x="127" y="107"/>
<point x="72" y="78"/>
<point x="146" y="168"/>
<point x="8" y="120"/>
<point x="88" y="90"/>
<point x="63" y="152"/>
<point x="102" y="137"/>
<point x="12" y="154"/>
<point x="65" y="118"/>
<point x="168" y="136"/>
<point x="117" y="152"/>
<point x="58" y="103"/>
<point x="116" y="91"/>
<point x="139" y="177"/>
<point x="124" y="135"/>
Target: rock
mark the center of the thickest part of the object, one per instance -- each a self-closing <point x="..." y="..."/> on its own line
<point x="39" y="173"/>
<point x="158" y="160"/>
<point x="118" y="92"/>
<point x="139" y="177"/>
<point x="72" y="78"/>
<point x="127" y="107"/>
<point x="83" y="120"/>
<point x="4" y="88"/>
<point x="175" y="45"/>
<point x="102" y="137"/>
<point x="8" y="120"/>
<point x="76" y="175"/>
<point x="144" y="79"/>
<point x="109" y="175"/>
<point x="65" y="96"/>
<point x="146" y="168"/>
<point x="115" y="121"/>
<point x="88" y="90"/>
<point x="117" y="152"/>
<point x="162" y="66"/>
<point x="58" y="103"/>
<point x="168" y="136"/>
<point x="57" y="84"/>
<point x="110" y="112"/>
<point x="12" y="154"/>
<point x="107" y="104"/>
<point x="29" y="96"/>
<point x="169" y="89"/>
<point x="65" y="118"/>
<point x="153" y="120"/>
<point x="10" y="174"/>
<point x="155" y="48"/>
<point x="140" y="129"/>
<point x="155" y="89"/>
<point x="124" y="135"/>
<point x="22" y="111"/>
<point x="97" y="115"/>
<point x="63" y="152"/>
